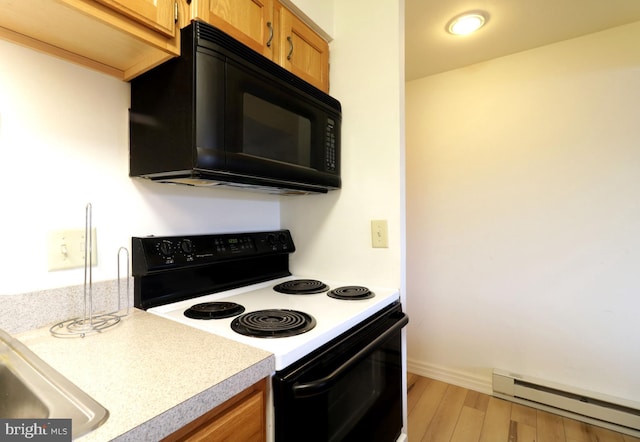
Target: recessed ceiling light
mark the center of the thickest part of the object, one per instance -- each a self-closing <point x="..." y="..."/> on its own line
<point x="467" y="23"/>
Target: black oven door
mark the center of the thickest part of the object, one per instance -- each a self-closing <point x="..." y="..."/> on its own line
<point x="349" y="390"/>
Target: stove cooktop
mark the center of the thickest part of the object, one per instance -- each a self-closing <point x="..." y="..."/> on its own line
<point x="243" y="269"/>
<point x="332" y="316"/>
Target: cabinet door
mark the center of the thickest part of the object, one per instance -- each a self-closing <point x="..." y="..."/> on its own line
<point x="242" y="418"/>
<point x="155" y="14"/>
<point x="302" y="51"/>
<point x="88" y="32"/>
<point x="249" y="21"/>
<point x="241" y="423"/>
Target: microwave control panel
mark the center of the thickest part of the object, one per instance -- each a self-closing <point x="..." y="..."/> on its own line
<point x="330" y="145"/>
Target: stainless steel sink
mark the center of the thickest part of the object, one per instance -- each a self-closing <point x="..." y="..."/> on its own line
<point x="30" y="388"/>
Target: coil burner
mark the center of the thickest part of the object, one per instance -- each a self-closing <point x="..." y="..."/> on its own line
<point x="273" y="323"/>
<point x="214" y="310"/>
<point x="351" y="292"/>
<point x="301" y="287"/>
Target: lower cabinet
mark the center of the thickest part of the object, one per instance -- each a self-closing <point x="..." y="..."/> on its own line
<point x="242" y="418"/>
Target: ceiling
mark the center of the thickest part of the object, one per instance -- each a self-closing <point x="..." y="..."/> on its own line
<point x="513" y="26"/>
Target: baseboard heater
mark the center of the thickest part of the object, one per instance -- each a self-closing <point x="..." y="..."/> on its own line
<point x="614" y="413"/>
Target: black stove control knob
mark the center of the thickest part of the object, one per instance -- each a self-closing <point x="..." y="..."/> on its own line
<point x="278" y="241"/>
<point x="186" y="246"/>
<point x="165" y="248"/>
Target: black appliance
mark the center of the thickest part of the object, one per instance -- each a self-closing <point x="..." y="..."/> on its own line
<point x="349" y="389"/>
<point x="338" y="359"/>
<point x="223" y="114"/>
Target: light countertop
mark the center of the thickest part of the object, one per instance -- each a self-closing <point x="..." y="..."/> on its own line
<point x="153" y="375"/>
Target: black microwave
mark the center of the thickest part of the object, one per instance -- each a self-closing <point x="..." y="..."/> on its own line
<point x="223" y="114"/>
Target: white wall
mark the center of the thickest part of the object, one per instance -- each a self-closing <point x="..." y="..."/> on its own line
<point x="333" y="231"/>
<point x="523" y="207"/>
<point x="64" y="143"/>
<point x="318" y="14"/>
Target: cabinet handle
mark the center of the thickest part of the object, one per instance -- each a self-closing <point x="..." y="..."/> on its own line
<point x="291" y="48"/>
<point x="270" y="26"/>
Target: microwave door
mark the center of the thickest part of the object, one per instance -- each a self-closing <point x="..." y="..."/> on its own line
<point x="272" y="130"/>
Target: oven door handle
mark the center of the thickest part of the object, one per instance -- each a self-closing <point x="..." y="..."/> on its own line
<point x="319" y="385"/>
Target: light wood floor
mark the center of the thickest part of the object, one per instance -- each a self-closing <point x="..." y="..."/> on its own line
<point x="440" y="412"/>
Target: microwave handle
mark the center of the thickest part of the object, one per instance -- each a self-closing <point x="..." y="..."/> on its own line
<point x="319" y="385"/>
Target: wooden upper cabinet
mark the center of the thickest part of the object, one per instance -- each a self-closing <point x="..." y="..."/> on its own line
<point x="155" y="14"/>
<point x="271" y="29"/>
<point x="302" y="51"/>
<point x="123" y="38"/>
<point x="249" y="21"/>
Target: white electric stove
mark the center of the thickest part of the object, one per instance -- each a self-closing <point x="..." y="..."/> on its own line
<point x="337" y="344"/>
<point x="333" y="316"/>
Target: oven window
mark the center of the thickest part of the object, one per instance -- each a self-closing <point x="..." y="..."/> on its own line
<point x="357" y="400"/>
<point x="272" y="132"/>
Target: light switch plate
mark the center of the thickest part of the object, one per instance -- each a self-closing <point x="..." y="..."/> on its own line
<point x="66" y="249"/>
<point x="379" y="235"/>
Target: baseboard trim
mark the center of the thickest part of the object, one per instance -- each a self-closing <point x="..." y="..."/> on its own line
<point x="471" y="381"/>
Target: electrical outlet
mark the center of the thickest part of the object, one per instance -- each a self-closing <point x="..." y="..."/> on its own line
<point x="379" y="235"/>
<point x="66" y="249"/>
